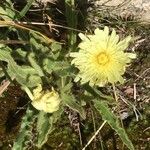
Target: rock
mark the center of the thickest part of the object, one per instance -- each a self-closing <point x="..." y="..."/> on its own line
<point x="139" y="9"/>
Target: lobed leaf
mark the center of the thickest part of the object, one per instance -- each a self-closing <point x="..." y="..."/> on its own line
<point x="113" y="121"/>
<point x="25" y="131"/>
<point x="24" y="75"/>
<point x="7" y="11"/>
<point x="45" y="126"/>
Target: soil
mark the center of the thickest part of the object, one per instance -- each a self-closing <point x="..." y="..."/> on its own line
<point x="12" y="108"/>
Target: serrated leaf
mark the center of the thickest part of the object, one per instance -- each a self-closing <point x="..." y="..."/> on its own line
<point x="113" y="121"/>
<point x="55" y="46"/>
<point x="34" y="64"/>
<point x="45" y="126"/>
<point x="12" y="66"/>
<point x="70" y="101"/>
<point x="56" y="66"/>
<point x="40" y="43"/>
<point x="7" y="11"/>
<point x="21" y="53"/>
<point x="96" y="93"/>
<point x="24" y="75"/>
<point x="25" y="130"/>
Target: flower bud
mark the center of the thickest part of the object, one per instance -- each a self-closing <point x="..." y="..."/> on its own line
<point x="48" y="101"/>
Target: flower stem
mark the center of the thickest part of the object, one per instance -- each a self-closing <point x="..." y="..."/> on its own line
<point x="29" y="93"/>
<point x="116" y="98"/>
<point x="115" y="93"/>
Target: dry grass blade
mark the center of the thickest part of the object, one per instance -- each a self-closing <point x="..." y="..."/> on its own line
<point x="16" y="25"/>
<point x="4" y="86"/>
<point x="13" y="42"/>
<point x="93" y="137"/>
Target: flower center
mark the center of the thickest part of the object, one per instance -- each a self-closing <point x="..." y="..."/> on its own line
<point x="102" y="58"/>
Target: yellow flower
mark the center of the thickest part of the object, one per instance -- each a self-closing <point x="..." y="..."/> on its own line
<point x="48" y="101"/>
<point x="101" y="57"/>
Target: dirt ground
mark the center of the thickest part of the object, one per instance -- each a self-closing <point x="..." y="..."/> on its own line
<point x="12" y="108"/>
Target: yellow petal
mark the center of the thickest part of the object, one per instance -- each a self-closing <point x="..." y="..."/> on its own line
<point x="101" y="58"/>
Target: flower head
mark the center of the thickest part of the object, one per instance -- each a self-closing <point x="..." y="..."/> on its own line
<point x="101" y="57"/>
<point x="48" y="101"/>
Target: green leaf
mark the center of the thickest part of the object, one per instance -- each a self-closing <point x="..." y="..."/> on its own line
<point x="12" y="66"/>
<point x="34" y="64"/>
<point x="40" y="44"/>
<point x="70" y="101"/>
<point x="67" y="88"/>
<point x="25" y="75"/>
<point x="61" y="68"/>
<point x="42" y="127"/>
<point x="45" y="126"/>
<point x="96" y="93"/>
<point x="55" y="46"/>
<point x="7" y="11"/>
<point x="56" y="49"/>
<point x="104" y="96"/>
<point x="25" y="133"/>
<point x="21" y="53"/>
<point x="113" y="121"/>
<point x="5" y="53"/>
<point x="32" y="79"/>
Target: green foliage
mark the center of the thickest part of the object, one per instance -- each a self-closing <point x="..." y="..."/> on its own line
<point x="113" y="121"/>
<point x="35" y="128"/>
<point x="70" y="101"/>
<point x="7" y="11"/>
<point x="25" y="134"/>
<point x="35" y="65"/>
<point x="24" y="75"/>
<point x="45" y="125"/>
<point x="97" y="93"/>
<point x="61" y="68"/>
